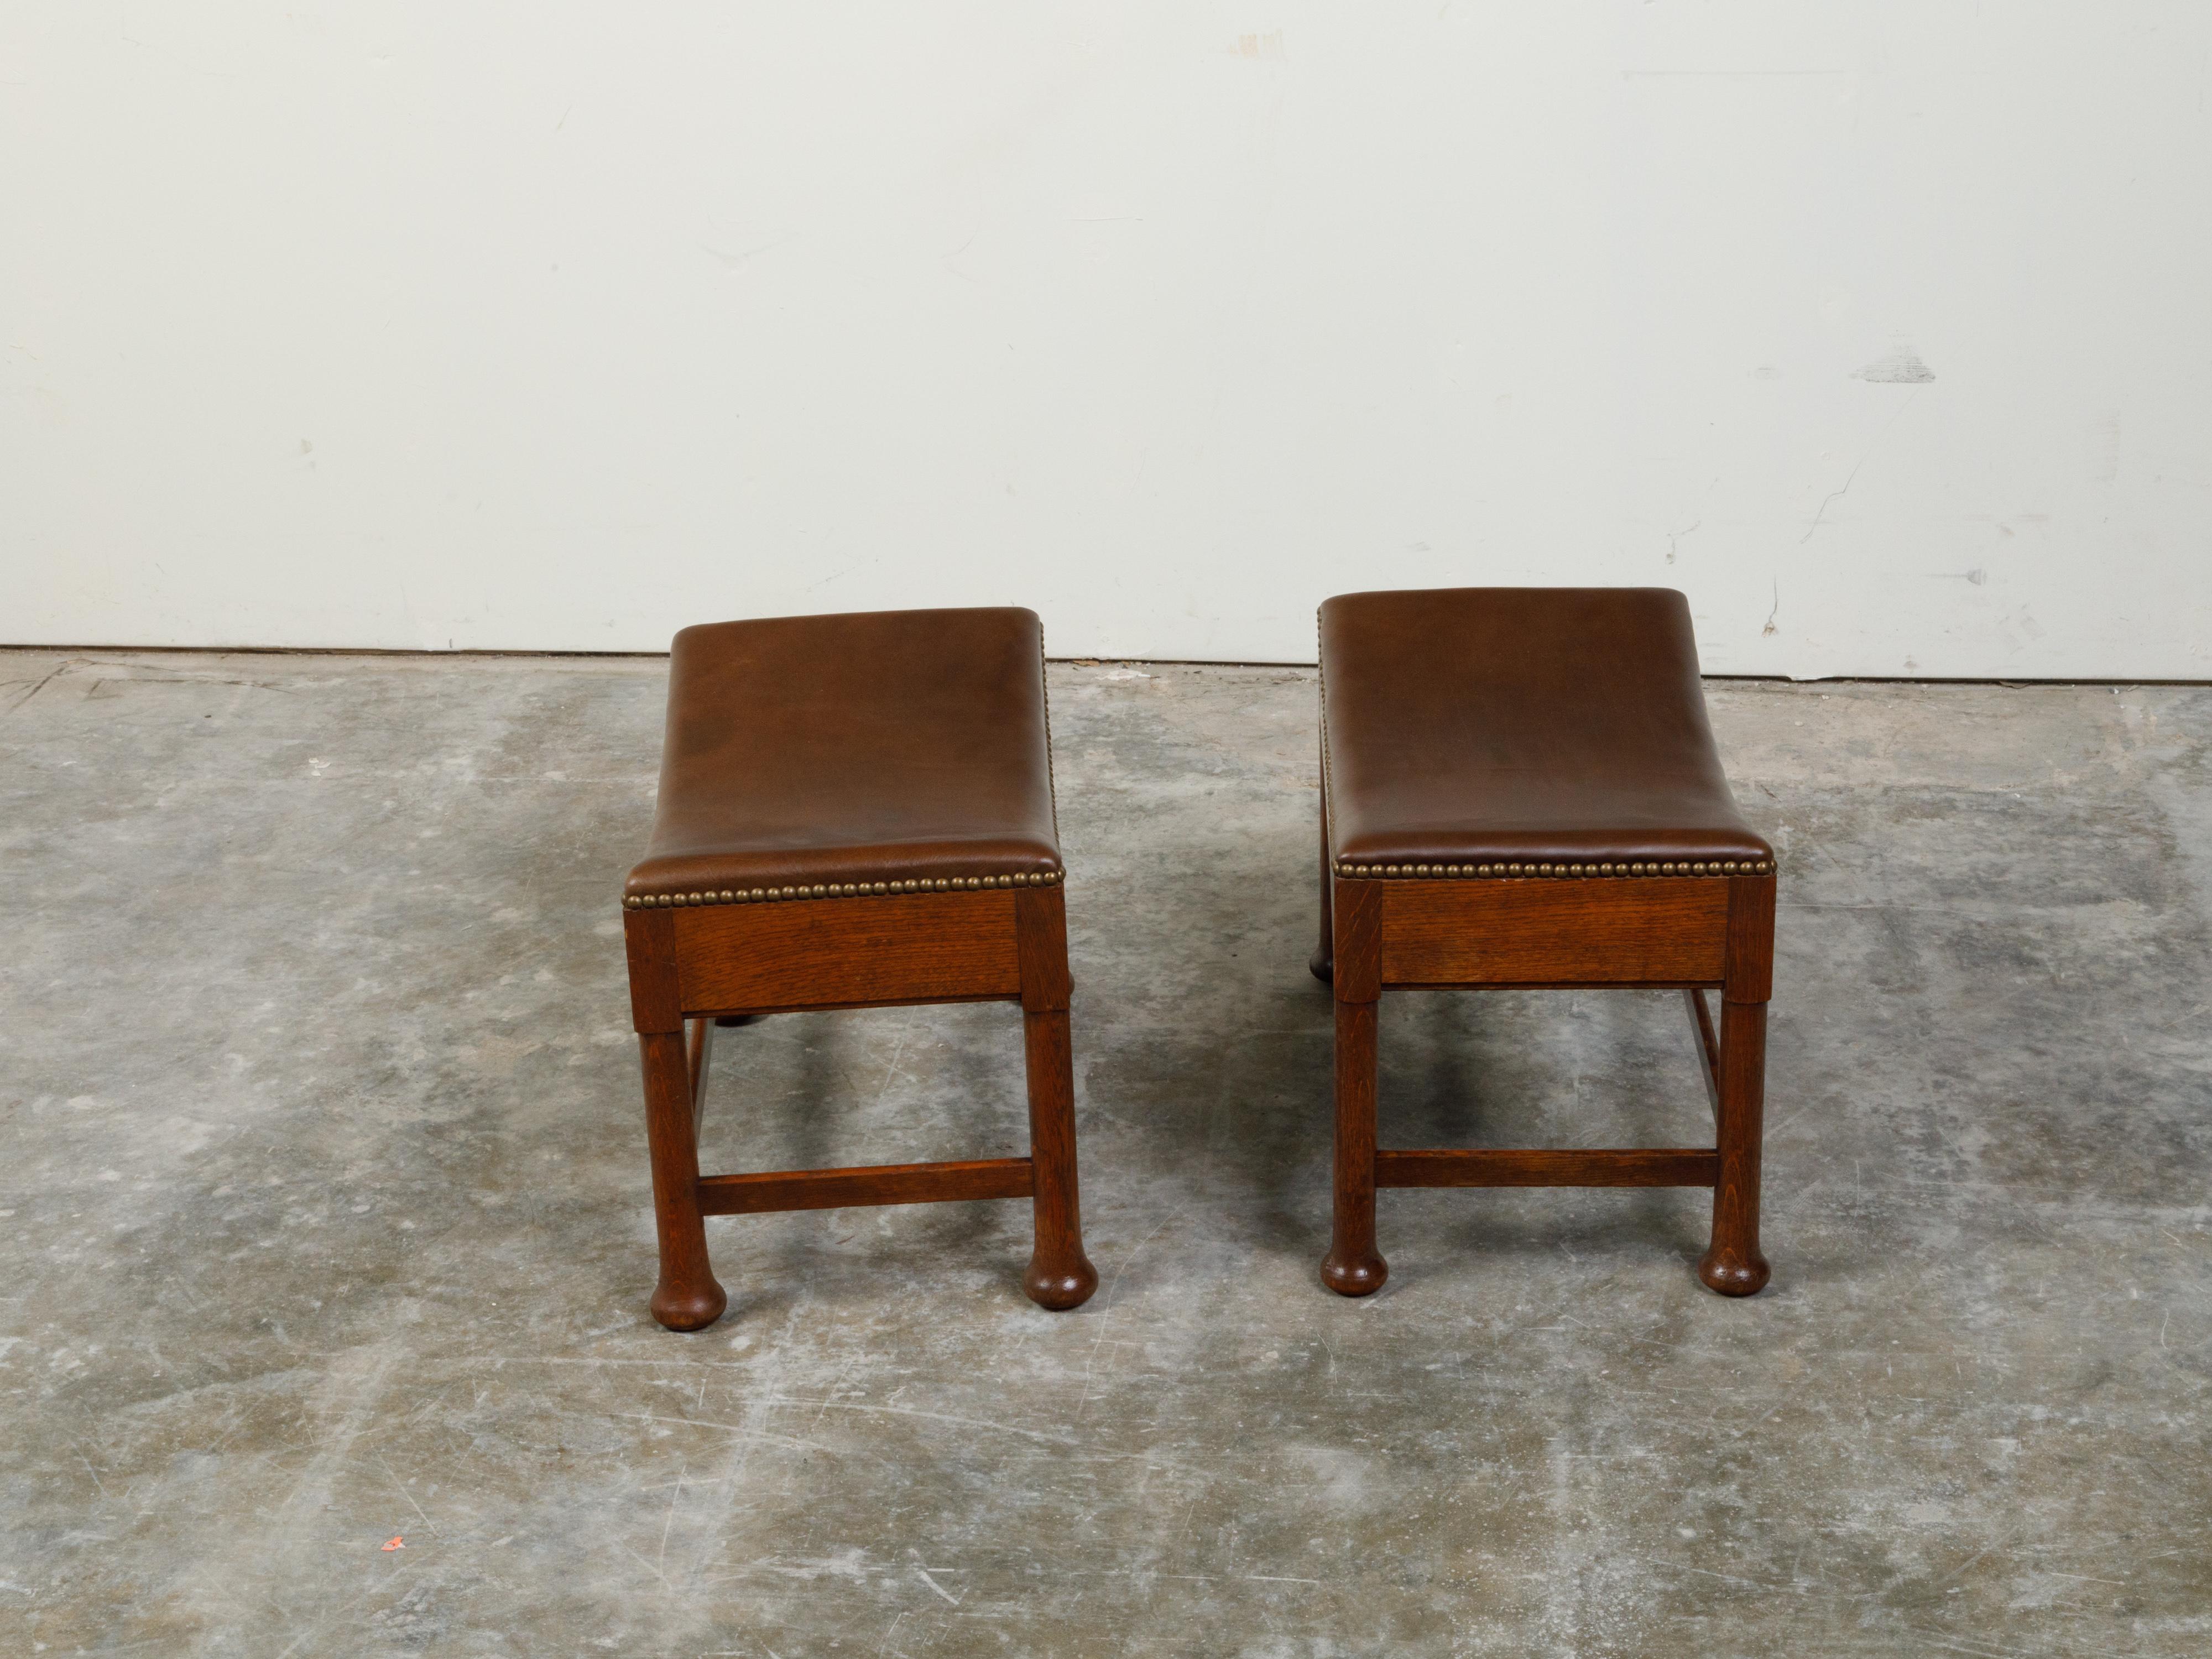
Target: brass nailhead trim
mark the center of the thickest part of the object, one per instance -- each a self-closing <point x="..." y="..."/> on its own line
<point x="1509" y="871"/>
<point x="846" y="889"/>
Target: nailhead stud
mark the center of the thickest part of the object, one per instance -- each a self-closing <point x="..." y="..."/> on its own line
<point x="1337" y="867"/>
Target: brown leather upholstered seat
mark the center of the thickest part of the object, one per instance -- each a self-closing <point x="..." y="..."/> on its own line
<point x="882" y="751"/>
<point x="1466" y="729"/>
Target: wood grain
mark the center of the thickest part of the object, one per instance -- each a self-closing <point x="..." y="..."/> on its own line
<point x="1643" y="930"/>
<point x="1041" y="945"/>
<point x="1356" y="911"/>
<point x="1750" y="972"/>
<point x="912" y="947"/>
<point x="649" y="938"/>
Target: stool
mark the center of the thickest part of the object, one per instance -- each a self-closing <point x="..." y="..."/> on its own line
<point x="855" y="811"/>
<point x="1519" y="789"/>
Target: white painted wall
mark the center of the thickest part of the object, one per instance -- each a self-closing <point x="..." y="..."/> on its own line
<point x="1883" y="329"/>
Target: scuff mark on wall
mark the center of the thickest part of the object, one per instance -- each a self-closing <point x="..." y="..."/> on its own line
<point x="1836" y="494"/>
<point x="2104" y="448"/>
<point x="1902" y="366"/>
<point x="740" y="261"/>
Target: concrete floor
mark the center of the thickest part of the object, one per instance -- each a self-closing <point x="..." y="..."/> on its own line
<point x="324" y="1219"/>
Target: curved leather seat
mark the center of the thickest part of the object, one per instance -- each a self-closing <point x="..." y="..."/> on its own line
<point x="1464" y="729"/>
<point x="807" y="756"/>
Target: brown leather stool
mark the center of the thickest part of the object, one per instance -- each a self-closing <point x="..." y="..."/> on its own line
<point x="1519" y="789"/>
<point x="855" y="811"/>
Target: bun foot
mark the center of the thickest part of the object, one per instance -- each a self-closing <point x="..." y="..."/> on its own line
<point x="1061" y="1286"/>
<point x="1732" y="1274"/>
<point x="1321" y="966"/>
<point x="688" y="1308"/>
<point x="1354" y="1275"/>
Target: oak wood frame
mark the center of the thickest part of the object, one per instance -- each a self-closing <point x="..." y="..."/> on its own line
<point x="690" y="967"/>
<point x="1691" y="934"/>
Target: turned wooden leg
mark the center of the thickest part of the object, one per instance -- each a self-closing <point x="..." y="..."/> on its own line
<point x="686" y="1298"/>
<point x="1059" y="1276"/>
<point x="1353" y="1267"/>
<point x="1732" y="1265"/>
<point x="1322" y="963"/>
<point x="699" y="1049"/>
